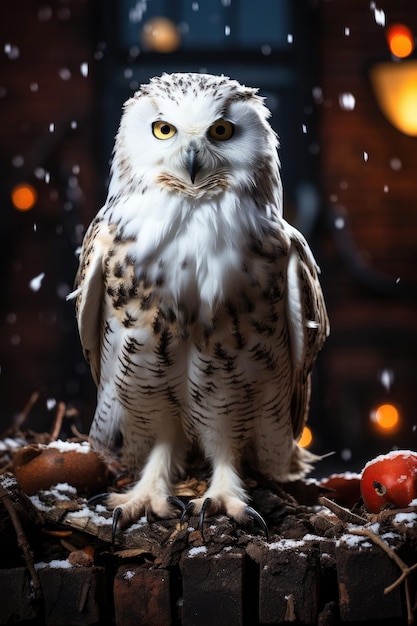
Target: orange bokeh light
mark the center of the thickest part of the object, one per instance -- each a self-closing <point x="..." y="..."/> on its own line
<point x="386" y="417"/>
<point x="24" y="197"/>
<point x="160" y="34"/>
<point x="400" y="40"/>
<point x="306" y="437"/>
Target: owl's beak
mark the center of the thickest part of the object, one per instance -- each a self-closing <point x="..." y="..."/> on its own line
<point x="192" y="163"/>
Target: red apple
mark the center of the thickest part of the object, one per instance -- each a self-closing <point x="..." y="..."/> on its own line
<point x="389" y="479"/>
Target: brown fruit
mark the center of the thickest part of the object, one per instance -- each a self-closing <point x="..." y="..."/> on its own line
<point x="40" y="467"/>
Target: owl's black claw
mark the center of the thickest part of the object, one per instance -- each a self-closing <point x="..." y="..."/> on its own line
<point x="117" y="513"/>
<point x="99" y="497"/>
<point x="203" y="512"/>
<point x="187" y="511"/>
<point x="258" y="519"/>
<point x="177" y="503"/>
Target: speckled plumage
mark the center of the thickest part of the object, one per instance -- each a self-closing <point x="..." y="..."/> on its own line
<point x="199" y="306"/>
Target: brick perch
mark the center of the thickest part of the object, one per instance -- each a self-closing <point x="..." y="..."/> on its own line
<point x="315" y="569"/>
<point x="293" y="586"/>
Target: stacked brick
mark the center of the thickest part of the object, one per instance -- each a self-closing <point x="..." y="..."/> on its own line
<point x="314" y="581"/>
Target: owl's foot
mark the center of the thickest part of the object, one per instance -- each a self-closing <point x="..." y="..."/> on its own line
<point x="128" y="507"/>
<point x="233" y="507"/>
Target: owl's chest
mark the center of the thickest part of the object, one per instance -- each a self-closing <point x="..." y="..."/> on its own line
<point x="222" y="295"/>
<point x="185" y="274"/>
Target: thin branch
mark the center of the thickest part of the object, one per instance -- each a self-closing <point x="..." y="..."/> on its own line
<point x="405" y="569"/>
<point x="343" y="514"/>
<point x="58" y="421"/>
<point x="21" y="418"/>
<point x="78" y="434"/>
<point x="22" y="541"/>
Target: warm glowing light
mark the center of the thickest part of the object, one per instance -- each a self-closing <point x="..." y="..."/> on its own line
<point x="306" y="437"/>
<point x="24" y="197"/>
<point x="160" y="35"/>
<point x="386" y="417"/>
<point x="400" y="40"/>
<point x="395" y="88"/>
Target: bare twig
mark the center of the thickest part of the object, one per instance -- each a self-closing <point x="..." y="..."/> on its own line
<point x="405" y="569"/>
<point x="58" y="421"/>
<point x="387" y="514"/>
<point x="21" y="418"/>
<point x="290" y="609"/>
<point x="78" y="434"/>
<point x="347" y="516"/>
<point x="21" y="540"/>
<point x="343" y="514"/>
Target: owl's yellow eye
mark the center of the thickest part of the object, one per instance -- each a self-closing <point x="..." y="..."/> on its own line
<point x="221" y="130"/>
<point x="163" y="130"/>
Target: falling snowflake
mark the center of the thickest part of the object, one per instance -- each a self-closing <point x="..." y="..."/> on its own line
<point x="379" y="14"/>
<point x="12" y="51"/>
<point x="395" y="164"/>
<point x="84" y="69"/>
<point x="136" y="14"/>
<point x="44" y="13"/>
<point x="386" y="378"/>
<point x="266" y="49"/>
<point x="339" y="223"/>
<point x="36" y="282"/>
<point x="347" y="101"/>
<point x="17" y="160"/>
<point x="64" y="73"/>
<point x="346" y="454"/>
<point x="39" y="172"/>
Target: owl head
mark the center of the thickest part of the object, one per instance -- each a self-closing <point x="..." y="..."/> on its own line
<point x="197" y="135"/>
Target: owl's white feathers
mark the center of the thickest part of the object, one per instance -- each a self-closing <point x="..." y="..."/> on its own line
<point x="199" y="306"/>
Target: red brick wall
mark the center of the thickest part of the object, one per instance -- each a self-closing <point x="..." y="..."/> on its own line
<point x="45" y="51"/>
<point x="372" y="328"/>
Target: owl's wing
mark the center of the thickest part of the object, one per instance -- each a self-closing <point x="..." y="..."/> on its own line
<point x="307" y="321"/>
<point x="89" y="292"/>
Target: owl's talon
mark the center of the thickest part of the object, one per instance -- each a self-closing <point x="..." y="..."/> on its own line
<point x="176" y="502"/>
<point x="117" y="513"/>
<point x="187" y="512"/>
<point x="258" y="519"/>
<point x="206" y="505"/>
<point x="97" y="498"/>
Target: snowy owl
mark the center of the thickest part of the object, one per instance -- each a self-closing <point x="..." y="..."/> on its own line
<point x="199" y="307"/>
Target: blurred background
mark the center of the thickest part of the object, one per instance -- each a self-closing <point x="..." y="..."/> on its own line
<point x="340" y="79"/>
